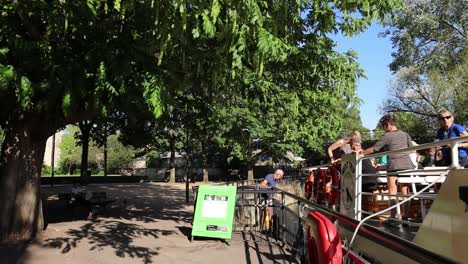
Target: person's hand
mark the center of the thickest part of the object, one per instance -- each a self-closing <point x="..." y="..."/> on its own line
<point x="335" y="160"/>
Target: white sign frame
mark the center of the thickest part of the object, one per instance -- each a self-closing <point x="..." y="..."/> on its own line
<point x="348" y="192"/>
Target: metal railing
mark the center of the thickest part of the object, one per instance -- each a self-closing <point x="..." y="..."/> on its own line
<point x="293" y="232"/>
<point x="413" y="173"/>
<point x="290" y="214"/>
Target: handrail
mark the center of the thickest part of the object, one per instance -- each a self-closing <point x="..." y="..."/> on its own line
<point x="359" y="175"/>
<point x="385" y="239"/>
<point x="453" y="142"/>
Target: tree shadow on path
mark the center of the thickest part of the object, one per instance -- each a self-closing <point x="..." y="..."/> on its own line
<point x="110" y="233"/>
<point x="126" y="221"/>
<point x="135" y="202"/>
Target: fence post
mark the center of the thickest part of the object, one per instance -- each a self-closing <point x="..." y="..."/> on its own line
<point x="299" y="224"/>
<point x="282" y="217"/>
<point x="358" y="205"/>
<point x="454" y="149"/>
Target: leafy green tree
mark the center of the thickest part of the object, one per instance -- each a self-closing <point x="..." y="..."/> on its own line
<point x="71" y="155"/>
<point x="352" y="122"/>
<point x="430" y="62"/>
<point x="120" y="156"/>
<point x="429" y="34"/>
<point x="420" y="132"/>
<point x="94" y="54"/>
<point x="80" y="46"/>
<point x="169" y="135"/>
<point x="69" y="152"/>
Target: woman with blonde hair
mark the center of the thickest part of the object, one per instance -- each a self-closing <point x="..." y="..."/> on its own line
<point x="343" y="146"/>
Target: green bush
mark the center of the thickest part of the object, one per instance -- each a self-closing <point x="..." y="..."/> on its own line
<point x="118" y="157"/>
<point x="46" y="170"/>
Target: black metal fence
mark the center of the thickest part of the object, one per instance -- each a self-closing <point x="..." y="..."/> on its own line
<point x="285" y="225"/>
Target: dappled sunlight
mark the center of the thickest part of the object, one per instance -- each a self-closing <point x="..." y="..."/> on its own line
<point x="136" y="202"/>
<point x="137" y="209"/>
<point x="117" y="235"/>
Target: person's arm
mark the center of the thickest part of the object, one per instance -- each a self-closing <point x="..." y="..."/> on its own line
<point x="368" y="151"/>
<point x="461" y="132"/>
<point x="377" y="146"/>
<point x="264" y="183"/>
<point x="337" y="144"/>
<point x="463" y="144"/>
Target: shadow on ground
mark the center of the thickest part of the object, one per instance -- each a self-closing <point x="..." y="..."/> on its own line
<point x="259" y="248"/>
<point x="134" y="205"/>
<point x="110" y="233"/>
<point x="14" y="252"/>
<point x="136" y="202"/>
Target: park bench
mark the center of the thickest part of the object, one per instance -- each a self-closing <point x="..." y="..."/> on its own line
<point x="98" y="202"/>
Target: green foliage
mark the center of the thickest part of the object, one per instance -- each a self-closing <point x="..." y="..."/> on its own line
<point x="209" y="69"/>
<point x="419" y="131"/>
<point x="280" y="87"/>
<point x="352" y="122"/>
<point x="430" y="63"/>
<point x="46" y="170"/>
<point x="70" y="153"/>
<point x="89" y="54"/>
<point x="2" y="136"/>
<point x="119" y="156"/>
<point x="429" y="34"/>
<point x="152" y="94"/>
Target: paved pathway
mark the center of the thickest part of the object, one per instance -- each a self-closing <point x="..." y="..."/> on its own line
<point x="148" y="223"/>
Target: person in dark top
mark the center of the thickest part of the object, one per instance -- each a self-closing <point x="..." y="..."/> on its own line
<point x="393" y="139"/>
<point x="270" y="182"/>
<point x="270" y="179"/>
<point x="450" y="130"/>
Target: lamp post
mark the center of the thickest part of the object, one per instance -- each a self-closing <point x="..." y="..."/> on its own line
<point x="52" y="161"/>
<point x="187" y="193"/>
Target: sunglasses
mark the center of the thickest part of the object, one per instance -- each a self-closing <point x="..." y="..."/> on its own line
<point x="445" y="117"/>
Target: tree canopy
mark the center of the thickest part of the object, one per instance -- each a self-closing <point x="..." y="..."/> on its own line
<point x="430" y="62"/>
<point x="272" y="62"/>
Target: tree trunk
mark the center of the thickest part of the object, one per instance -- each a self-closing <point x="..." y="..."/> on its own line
<point x="250" y="174"/>
<point x="85" y="128"/>
<point x="205" y="169"/>
<point x="20" y="170"/>
<point x="105" y="157"/>
<point x="205" y="175"/>
<point x="205" y="164"/>
<point x="172" y="175"/>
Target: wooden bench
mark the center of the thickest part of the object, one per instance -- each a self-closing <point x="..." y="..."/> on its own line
<point x="97" y="204"/>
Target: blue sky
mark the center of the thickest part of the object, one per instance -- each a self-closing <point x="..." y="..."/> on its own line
<point x="374" y="56"/>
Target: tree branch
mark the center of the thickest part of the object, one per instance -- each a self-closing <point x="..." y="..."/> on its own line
<point x="397" y="109"/>
<point x="454" y="27"/>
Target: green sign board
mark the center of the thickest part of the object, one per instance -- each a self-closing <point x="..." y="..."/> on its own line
<point x="214" y="212"/>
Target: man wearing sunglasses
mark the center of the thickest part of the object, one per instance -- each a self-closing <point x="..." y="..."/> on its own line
<point x="450" y="130"/>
